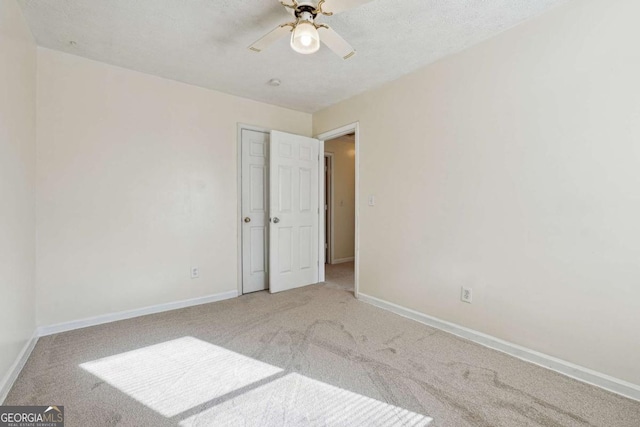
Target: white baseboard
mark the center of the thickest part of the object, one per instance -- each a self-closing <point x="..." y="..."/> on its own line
<point x="16" y="368"/>
<point x="342" y="260"/>
<point x="569" y="369"/>
<point x="122" y="315"/>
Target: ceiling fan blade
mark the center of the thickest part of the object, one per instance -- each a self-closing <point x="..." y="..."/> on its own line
<point x="335" y="42"/>
<point x="268" y="39"/>
<point x="331" y="7"/>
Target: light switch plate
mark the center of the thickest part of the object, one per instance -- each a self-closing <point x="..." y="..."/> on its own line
<point x="466" y="295"/>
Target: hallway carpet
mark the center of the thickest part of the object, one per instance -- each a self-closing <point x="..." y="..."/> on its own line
<point x="311" y="356"/>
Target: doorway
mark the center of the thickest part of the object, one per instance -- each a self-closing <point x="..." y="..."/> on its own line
<point x="341" y="197"/>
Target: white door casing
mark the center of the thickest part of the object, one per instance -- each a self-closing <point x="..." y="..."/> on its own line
<point x="294" y="194"/>
<point x="328" y="208"/>
<point x="255" y="213"/>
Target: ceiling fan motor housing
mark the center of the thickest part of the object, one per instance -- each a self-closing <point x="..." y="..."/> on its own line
<point x="304" y="11"/>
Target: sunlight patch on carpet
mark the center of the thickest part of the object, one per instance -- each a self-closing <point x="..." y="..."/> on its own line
<point x="295" y="400"/>
<point x="177" y="375"/>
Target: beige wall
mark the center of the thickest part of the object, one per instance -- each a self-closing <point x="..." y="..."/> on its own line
<point x="17" y="185"/>
<point x="344" y="197"/>
<point x="513" y="168"/>
<point x="136" y="184"/>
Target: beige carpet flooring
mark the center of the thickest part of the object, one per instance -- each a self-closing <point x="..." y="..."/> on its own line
<point x="311" y="356"/>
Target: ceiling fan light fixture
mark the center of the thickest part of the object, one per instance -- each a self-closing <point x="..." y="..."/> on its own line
<point x="305" y="38"/>
<point x="304" y="33"/>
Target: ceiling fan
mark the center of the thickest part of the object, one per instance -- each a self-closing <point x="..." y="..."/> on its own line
<point x="306" y="34"/>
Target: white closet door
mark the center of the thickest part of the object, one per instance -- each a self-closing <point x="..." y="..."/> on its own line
<point x="293" y="243"/>
<point x="255" y="210"/>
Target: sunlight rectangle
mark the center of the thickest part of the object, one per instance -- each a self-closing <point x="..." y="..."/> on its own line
<point x="177" y="375"/>
<point x="295" y="400"/>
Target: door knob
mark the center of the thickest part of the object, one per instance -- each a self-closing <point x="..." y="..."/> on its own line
<point x="276" y="220"/>
<point x="247" y="219"/>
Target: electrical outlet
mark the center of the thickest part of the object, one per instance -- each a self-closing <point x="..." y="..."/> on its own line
<point x="195" y="272"/>
<point x="467" y="295"/>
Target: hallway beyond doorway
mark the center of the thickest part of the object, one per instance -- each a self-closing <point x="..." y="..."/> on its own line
<point x="340" y="276"/>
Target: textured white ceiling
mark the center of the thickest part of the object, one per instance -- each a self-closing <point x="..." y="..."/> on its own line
<point x="204" y="42"/>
